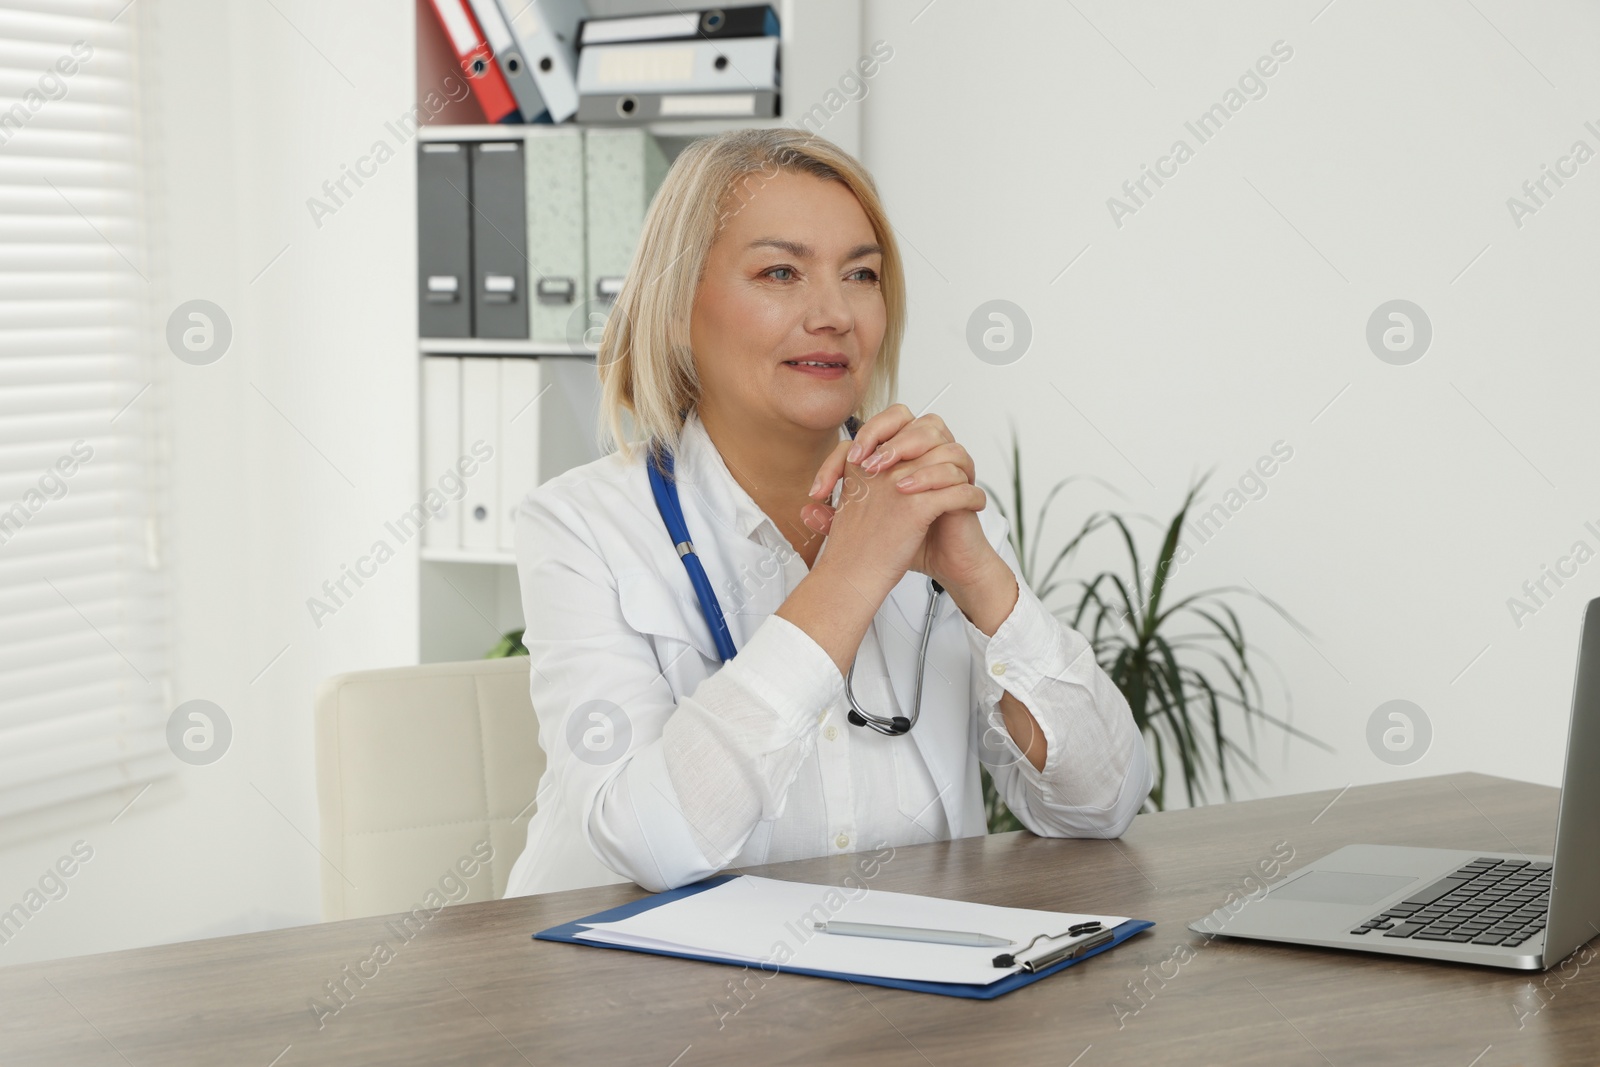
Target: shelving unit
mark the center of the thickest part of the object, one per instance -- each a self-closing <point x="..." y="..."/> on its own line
<point x="470" y="597"/>
<point x="477" y="346"/>
<point x="467" y="555"/>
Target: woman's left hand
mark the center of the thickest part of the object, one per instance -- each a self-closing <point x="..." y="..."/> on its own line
<point x="895" y="447"/>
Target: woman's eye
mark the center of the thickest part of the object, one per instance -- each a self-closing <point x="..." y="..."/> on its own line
<point x="787" y="274"/>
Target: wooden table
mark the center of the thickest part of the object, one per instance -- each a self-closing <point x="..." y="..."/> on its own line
<point x="472" y="987"/>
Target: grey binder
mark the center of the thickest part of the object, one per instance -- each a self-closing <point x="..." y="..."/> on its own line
<point x="444" y="242"/>
<point x="499" y="241"/>
<point x="509" y="59"/>
<point x="650" y="107"/>
<point x="622" y="170"/>
<point x="547" y="33"/>
<point x="736" y="77"/>
<point x="557" y="278"/>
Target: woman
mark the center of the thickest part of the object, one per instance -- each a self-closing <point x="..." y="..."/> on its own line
<point x="763" y="309"/>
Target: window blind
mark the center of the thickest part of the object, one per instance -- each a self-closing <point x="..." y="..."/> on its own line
<point x="82" y="657"/>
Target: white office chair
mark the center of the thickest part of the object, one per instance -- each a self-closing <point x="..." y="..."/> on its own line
<point x="416" y="767"/>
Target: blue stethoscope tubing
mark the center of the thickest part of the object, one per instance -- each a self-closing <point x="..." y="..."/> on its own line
<point x="664" y="487"/>
<point x="666" y="494"/>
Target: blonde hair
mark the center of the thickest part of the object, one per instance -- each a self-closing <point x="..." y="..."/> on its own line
<point x="645" y="363"/>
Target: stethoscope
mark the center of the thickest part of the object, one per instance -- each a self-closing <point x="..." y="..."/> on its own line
<point x="664" y="486"/>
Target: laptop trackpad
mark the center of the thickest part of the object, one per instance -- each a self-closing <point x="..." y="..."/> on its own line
<point x="1340" y="887"/>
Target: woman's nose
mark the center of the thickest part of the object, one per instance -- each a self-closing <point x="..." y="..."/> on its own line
<point x="830" y="307"/>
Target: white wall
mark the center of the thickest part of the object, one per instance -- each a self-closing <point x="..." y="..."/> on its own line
<point x="1213" y="323"/>
<point x="286" y="456"/>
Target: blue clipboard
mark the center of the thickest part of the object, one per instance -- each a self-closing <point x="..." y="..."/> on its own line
<point x="568" y="932"/>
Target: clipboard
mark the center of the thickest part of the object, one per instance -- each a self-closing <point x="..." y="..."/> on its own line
<point x="567" y="932"/>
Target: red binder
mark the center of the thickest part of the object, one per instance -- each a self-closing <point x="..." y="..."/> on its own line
<point x="466" y="37"/>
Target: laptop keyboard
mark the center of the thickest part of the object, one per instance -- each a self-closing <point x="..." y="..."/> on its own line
<point x="1486" y="902"/>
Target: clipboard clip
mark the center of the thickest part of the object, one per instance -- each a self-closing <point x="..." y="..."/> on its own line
<point x="1071" y="950"/>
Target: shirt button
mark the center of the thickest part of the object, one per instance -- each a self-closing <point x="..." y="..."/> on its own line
<point x="998" y="669"/>
<point x="831" y="733"/>
<point x="843" y="840"/>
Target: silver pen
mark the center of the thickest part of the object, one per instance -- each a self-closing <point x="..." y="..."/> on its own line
<point x="912" y="933"/>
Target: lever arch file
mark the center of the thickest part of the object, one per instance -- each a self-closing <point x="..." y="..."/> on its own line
<point x="547" y="31"/>
<point x="499" y="241"/>
<point x="548" y="412"/>
<point x="622" y="170"/>
<point x="715" y="23"/>
<point x="509" y="59"/>
<point x="444" y="241"/>
<point x="480" y="422"/>
<point x="618" y="81"/>
<point x="557" y="302"/>
<point x="477" y="60"/>
<point x="441" y="444"/>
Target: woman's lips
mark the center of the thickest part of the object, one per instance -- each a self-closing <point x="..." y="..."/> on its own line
<point x="830" y="373"/>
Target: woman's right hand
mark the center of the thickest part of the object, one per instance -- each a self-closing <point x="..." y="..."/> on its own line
<point x="877" y="533"/>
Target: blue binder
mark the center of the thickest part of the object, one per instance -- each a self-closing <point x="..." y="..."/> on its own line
<point x="568" y="932"/>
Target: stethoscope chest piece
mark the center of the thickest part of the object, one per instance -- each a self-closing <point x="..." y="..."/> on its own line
<point x="898" y="724"/>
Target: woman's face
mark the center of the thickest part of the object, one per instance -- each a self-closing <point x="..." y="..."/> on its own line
<point x="792" y="276"/>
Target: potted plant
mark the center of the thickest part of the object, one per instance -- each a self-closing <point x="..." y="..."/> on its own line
<point x="1178" y="684"/>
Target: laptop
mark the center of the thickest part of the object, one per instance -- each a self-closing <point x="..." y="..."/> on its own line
<point x="1494" y="908"/>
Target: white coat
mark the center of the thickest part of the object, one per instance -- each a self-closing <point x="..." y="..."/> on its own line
<point x="613" y="623"/>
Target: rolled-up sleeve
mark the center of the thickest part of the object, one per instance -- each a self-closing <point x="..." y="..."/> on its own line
<point x="1097" y="771"/>
<point x="688" y="780"/>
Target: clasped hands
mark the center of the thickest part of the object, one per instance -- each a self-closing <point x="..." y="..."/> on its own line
<point x="907" y="455"/>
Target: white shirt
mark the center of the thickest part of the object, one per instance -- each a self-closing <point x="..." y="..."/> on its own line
<point x="665" y="765"/>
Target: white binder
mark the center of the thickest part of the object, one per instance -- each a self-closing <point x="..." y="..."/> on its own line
<point x="549" y="408"/>
<point x="729" y="65"/>
<point x="547" y="31"/>
<point x="480" y="421"/>
<point x="441" y="444"/>
<point x="675" y="25"/>
<point x="521" y="392"/>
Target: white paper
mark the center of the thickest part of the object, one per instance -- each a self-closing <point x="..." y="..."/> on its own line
<point x="760" y="921"/>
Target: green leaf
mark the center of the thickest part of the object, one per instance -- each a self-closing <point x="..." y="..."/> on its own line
<point x="1182" y="662"/>
<point x="509" y="645"/>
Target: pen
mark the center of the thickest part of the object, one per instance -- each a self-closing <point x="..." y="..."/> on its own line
<point x="911" y="933"/>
